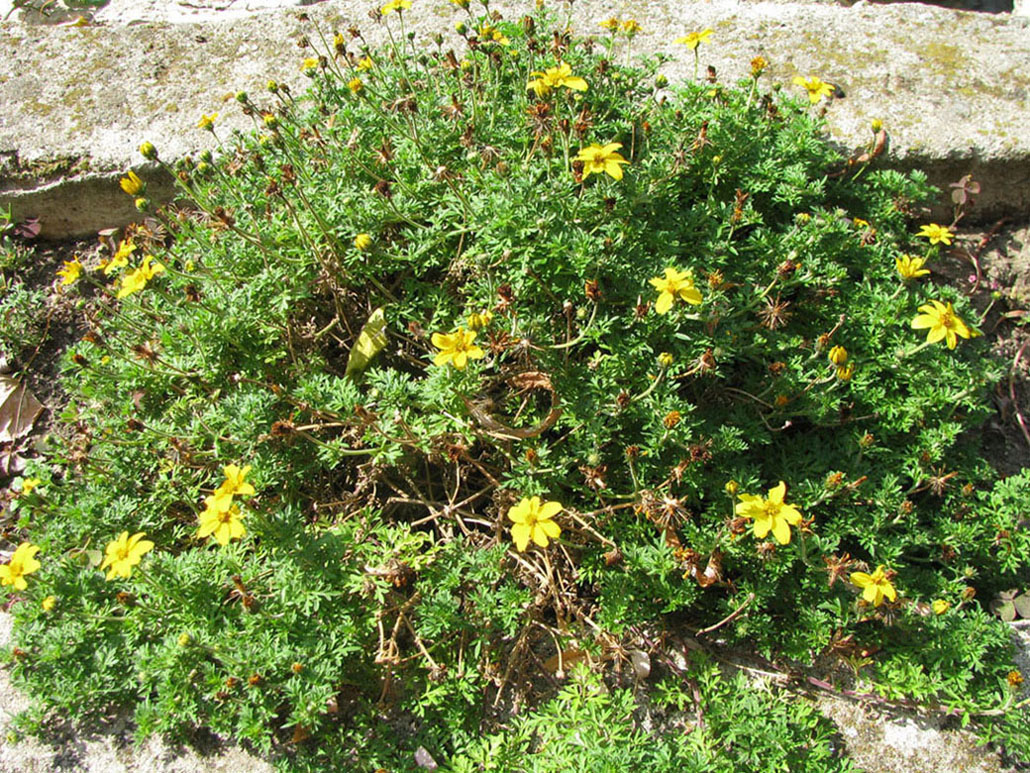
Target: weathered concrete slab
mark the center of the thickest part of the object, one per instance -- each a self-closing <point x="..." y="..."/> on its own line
<point x="951" y="87"/>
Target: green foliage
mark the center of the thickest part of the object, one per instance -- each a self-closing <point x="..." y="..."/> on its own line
<point x="377" y="586"/>
<point x="587" y="727"/>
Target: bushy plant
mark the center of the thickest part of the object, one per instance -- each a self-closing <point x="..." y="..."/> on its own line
<point x="465" y="364"/>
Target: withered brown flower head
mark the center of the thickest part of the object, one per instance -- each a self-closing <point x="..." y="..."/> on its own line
<point x="775" y="314"/>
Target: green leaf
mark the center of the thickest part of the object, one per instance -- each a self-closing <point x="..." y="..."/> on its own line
<point x="371" y="341"/>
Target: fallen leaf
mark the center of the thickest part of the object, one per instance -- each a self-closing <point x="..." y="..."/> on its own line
<point x="569" y="658"/>
<point x="18" y="409"/>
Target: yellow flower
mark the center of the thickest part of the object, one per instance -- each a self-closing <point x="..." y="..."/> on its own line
<point x="148" y="151"/>
<point x="665" y="359"/>
<point x="553" y="77"/>
<point x="770" y="514"/>
<point x="309" y="65"/>
<point x="875" y="587"/>
<point x="48" y="603"/>
<point x="876" y="125"/>
<point x="355" y="85"/>
<point x="816" y="88"/>
<point x="758" y="65"/>
<point x="120" y="257"/>
<point x="131" y="183"/>
<point x="845" y="372"/>
<point x="225" y="523"/>
<point x="910" y="267"/>
<point x="207" y="122"/>
<point x="461" y="3"/>
<point x="532" y="519"/>
<point x="395" y="5"/>
<point x="942" y="322"/>
<point x="937" y="234"/>
<point x="694" y="39"/>
<point x="71" y="271"/>
<point x="1015" y="679"/>
<point x="610" y="24"/>
<point x="838" y="355"/>
<point x="137" y="279"/>
<point x="362" y="242"/>
<point x="29" y="484"/>
<point x="488" y="32"/>
<point x="233" y="486"/>
<point x="456" y="348"/>
<point x="631" y="27"/>
<point x="940" y="606"/>
<point x="365" y="63"/>
<point x="124" y="553"/>
<point x="597" y="158"/>
<point x="731" y="487"/>
<point x="480" y="320"/>
<point x="675" y="284"/>
<point x="23" y="562"/>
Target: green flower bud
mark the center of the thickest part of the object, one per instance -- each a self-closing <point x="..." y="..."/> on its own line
<point x="148" y="151"/>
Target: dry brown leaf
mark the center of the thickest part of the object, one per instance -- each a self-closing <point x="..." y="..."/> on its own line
<point x="18" y="409"/>
<point x="569" y="658"/>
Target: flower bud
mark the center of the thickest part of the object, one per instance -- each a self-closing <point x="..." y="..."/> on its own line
<point x="661" y="82"/>
<point x="148" y="151"/>
<point x="731" y="487"/>
<point x="362" y="242"/>
<point x="665" y="359"/>
<point x="838" y="355"/>
<point x="185" y="639"/>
